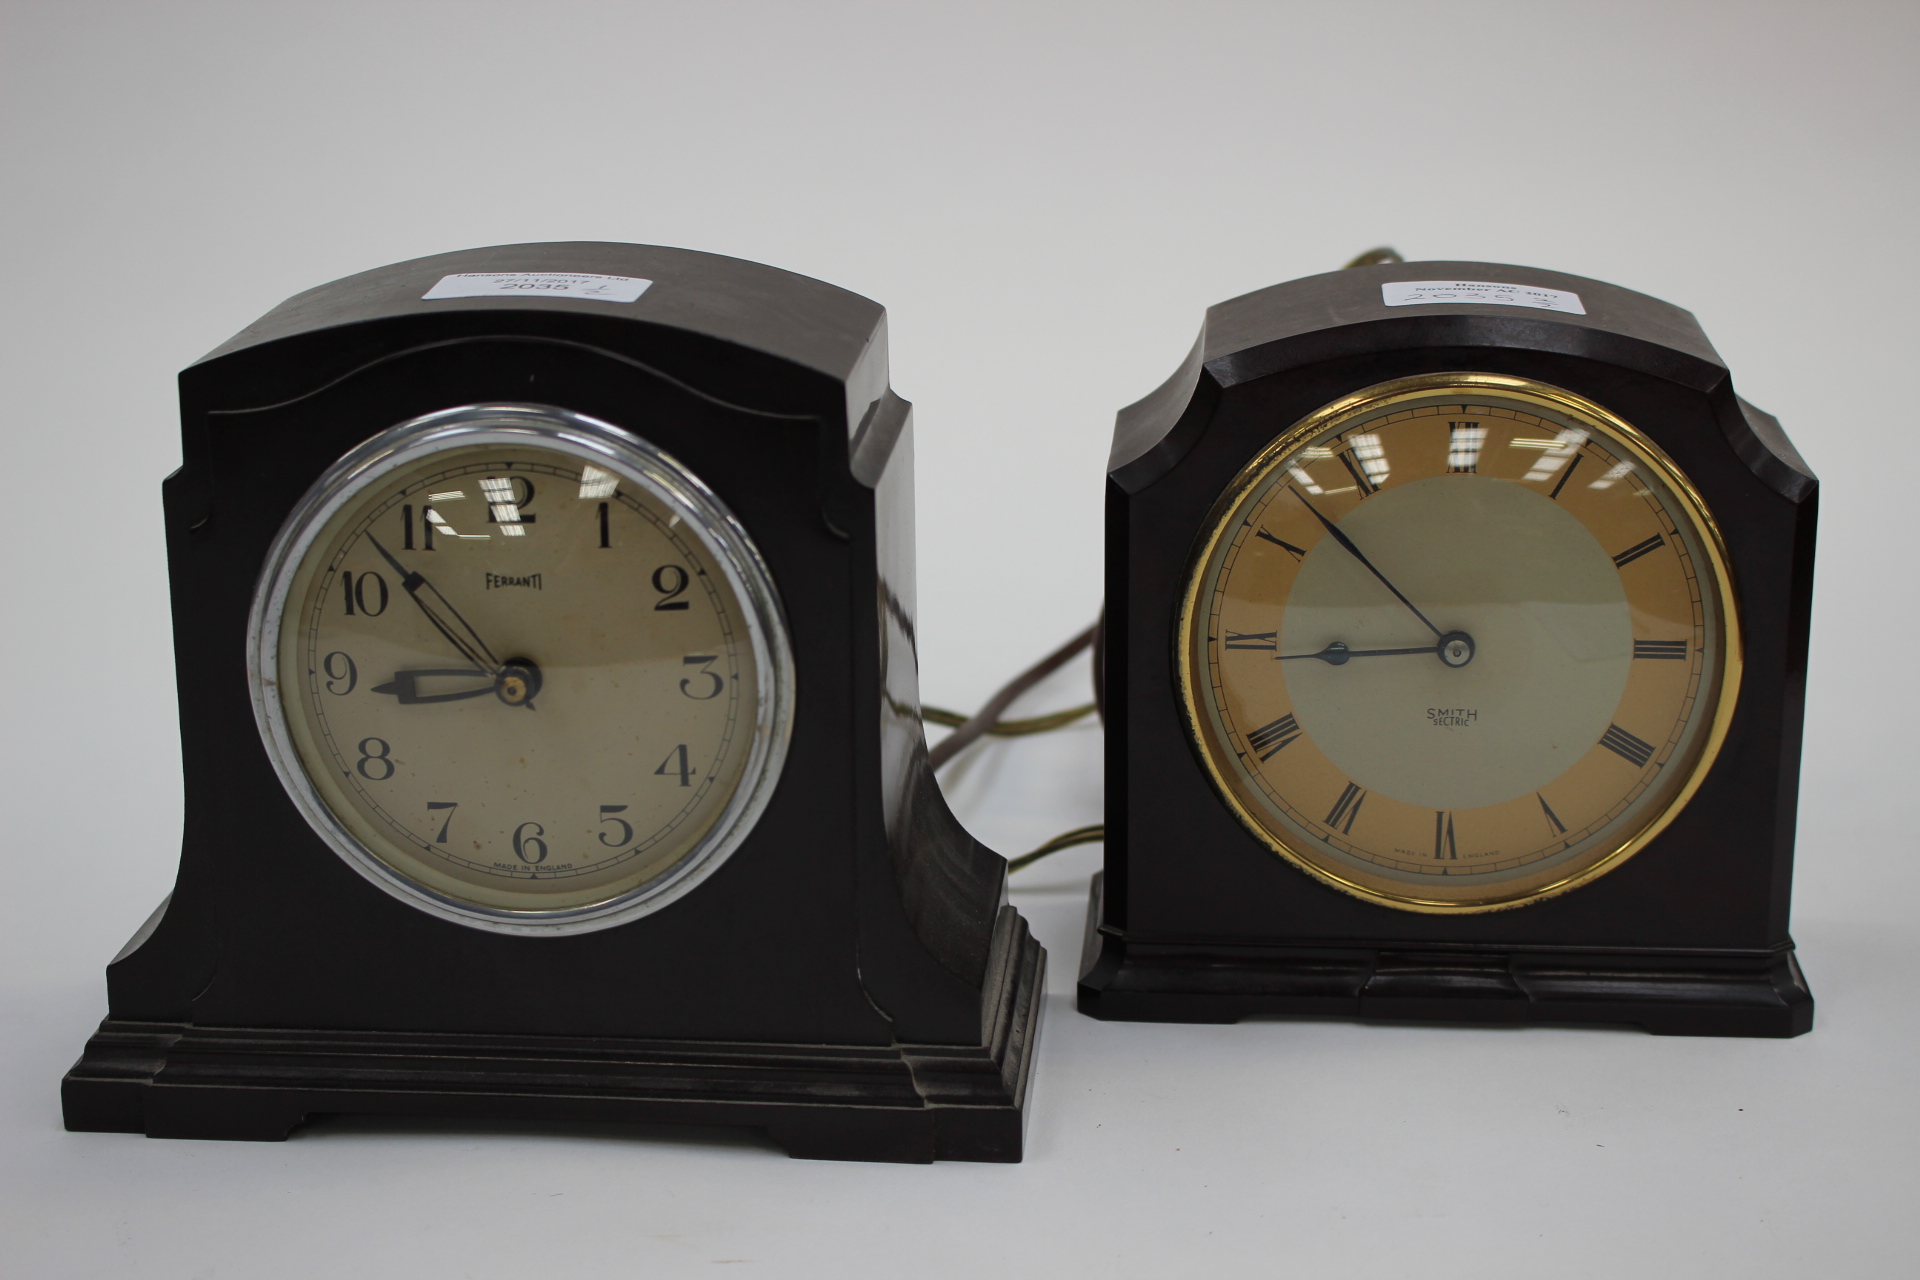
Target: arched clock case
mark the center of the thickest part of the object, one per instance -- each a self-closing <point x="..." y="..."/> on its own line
<point x="1454" y="661"/>
<point x="544" y="627"/>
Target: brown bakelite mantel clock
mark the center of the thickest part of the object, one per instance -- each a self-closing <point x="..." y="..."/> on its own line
<point x="1456" y="643"/>
<point x="544" y="623"/>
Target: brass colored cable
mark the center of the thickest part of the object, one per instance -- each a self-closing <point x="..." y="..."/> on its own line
<point x="1065" y="840"/>
<point x="983" y="721"/>
<point x="968" y="729"/>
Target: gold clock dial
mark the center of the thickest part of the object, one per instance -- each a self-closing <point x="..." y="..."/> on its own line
<point x="520" y="670"/>
<point x="1459" y="642"/>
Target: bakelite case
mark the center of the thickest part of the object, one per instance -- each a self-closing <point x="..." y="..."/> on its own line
<point x="851" y="979"/>
<point x="1194" y="919"/>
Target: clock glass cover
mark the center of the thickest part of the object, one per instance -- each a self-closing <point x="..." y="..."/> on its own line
<point x="1459" y="642"/>
<point x="521" y="669"/>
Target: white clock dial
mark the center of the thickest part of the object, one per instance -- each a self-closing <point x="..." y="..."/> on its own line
<point x="1459" y="642"/>
<point x="521" y="669"/>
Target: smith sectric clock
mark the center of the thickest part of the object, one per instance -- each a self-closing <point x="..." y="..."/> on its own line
<point x="544" y="626"/>
<point x="1459" y="667"/>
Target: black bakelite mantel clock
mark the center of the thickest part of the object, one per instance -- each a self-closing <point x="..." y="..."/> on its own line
<point x="1454" y="661"/>
<point x="544" y="626"/>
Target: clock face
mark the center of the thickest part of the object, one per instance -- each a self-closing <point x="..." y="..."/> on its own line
<point x="1459" y="642"/>
<point x="521" y="669"/>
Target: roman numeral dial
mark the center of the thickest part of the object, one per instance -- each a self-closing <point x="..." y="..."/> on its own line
<point x="1281" y="543"/>
<point x="1347" y="808"/>
<point x="1634" y="751"/>
<point x="1638" y="549"/>
<point x="1458" y="643"/>
<point x="1262" y="640"/>
<point x="1269" y="739"/>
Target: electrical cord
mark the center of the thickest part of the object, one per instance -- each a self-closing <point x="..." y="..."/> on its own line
<point x="1011" y="728"/>
<point x="969" y="729"/>
<point x="987" y="718"/>
<point x="1065" y="840"/>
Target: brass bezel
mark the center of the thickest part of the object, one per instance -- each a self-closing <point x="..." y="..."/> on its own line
<point x="1384" y="395"/>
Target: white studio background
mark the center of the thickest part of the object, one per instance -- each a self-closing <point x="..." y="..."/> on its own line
<point x="1046" y="196"/>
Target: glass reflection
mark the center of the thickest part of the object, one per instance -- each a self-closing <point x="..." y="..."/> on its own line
<point x="1463" y="445"/>
<point x="441" y="529"/>
<point x="1614" y="475"/>
<point x="1372" y="455"/>
<point x="502" y="506"/>
<point x="597" y="484"/>
<point x="1553" y="453"/>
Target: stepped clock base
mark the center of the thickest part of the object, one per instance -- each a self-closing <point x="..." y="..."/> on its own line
<point x="1667" y="993"/>
<point x="902" y="1103"/>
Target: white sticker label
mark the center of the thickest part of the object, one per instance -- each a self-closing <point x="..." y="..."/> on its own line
<point x="543" y="284"/>
<point x="1412" y="293"/>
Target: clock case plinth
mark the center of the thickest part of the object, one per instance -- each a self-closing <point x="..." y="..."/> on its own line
<point x="1196" y="920"/>
<point x="851" y="979"/>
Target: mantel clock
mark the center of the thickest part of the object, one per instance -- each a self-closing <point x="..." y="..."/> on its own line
<point x="1456" y="644"/>
<point x="544" y="627"/>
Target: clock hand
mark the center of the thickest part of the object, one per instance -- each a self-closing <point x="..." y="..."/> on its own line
<point x="458" y="632"/>
<point x="1336" y="654"/>
<point x="1455" y="649"/>
<point x="405" y="685"/>
<point x="1347" y="542"/>
<point x="514" y="684"/>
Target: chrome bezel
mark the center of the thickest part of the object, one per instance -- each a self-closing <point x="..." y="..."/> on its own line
<point x="632" y="458"/>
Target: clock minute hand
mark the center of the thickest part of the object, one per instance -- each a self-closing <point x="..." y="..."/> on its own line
<point x="459" y="633"/>
<point x="1356" y="553"/>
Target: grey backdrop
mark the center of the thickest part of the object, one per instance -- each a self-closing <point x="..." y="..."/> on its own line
<point x="1046" y="196"/>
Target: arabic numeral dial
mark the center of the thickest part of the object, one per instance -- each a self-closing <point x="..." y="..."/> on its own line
<point x="524" y="683"/>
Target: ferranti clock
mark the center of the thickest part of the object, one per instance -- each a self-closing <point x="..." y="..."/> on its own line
<point x="544" y="623"/>
<point x="1456" y="645"/>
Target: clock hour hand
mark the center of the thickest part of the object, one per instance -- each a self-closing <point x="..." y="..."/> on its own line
<point x="440" y="612"/>
<point x="1337" y="654"/>
<point x="405" y="685"/>
<point x="515" y="683"/>
<point x="1356" y="553"/>
<point x="1455" y="649"/>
